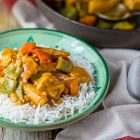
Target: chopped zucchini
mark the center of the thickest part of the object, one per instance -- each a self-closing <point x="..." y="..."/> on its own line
<point x="64" y="65"/>
<point x="123" y="25"/>
<point x="19" y="91"/>
<point x="35" y="77"/>
<point x="7" y="85"/>
<point x="104" y="24"/>
<point x="70" y="12"/>
<point x="13" y="71"/>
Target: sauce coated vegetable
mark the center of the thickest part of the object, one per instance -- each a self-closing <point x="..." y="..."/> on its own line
<point x="38" y="75"/>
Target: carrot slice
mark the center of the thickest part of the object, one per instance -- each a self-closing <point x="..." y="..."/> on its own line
<point x="1" y="74"/>
<point x="28" y="47"/>
<point x="88" y="20"/>
<point x="74" y="87"/>
<point x="41" y="55"/>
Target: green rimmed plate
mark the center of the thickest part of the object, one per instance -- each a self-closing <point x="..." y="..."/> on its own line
<point x="56" y="39"/>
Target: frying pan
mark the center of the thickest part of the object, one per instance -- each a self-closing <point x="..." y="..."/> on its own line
<point x="105" y="38"/>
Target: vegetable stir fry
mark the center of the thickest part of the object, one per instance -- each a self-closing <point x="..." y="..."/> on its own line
<point x="39" y="75"/>
<point x="84" y="11"/>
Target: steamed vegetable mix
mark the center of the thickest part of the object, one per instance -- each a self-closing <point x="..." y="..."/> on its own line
<point x="37" y="75"/>
<point x="85" y="11"/>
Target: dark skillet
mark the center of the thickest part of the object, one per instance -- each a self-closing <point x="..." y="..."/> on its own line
<point x="94" y="35"/>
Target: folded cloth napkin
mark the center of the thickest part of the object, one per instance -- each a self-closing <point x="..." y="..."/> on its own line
<point x="121" y="117"/>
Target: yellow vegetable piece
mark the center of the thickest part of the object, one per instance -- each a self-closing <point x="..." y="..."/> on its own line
<point x="30" y="68"/>
<point x="46" y="80"/>
<point x="55" y="91"/>
<point x="50" y="85"/>
<point x="70" y="2"/>
<point x="101" y="5"/>
<point x="124" y="25"/>
<point x="8" y="55"/>
<point x="104" y="24"/>
<point x="132" y="4"/>
<point x="80" y="74"/>
<point x="34" y="95"/>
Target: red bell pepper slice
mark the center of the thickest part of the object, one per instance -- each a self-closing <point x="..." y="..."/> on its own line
<point x="41" y="55"/>
<point x="28" y="47"/>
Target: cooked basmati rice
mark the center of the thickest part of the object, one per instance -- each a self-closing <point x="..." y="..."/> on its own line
<point x="27" y="114"/>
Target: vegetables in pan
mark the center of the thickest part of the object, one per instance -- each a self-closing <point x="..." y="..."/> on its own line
<point x="101" y="5"/>
<point x="85" y="11"/>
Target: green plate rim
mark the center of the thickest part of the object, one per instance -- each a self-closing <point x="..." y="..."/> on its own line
<point x="60" y="123"/>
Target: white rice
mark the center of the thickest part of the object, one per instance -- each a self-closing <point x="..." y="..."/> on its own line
<point x="27" y="114"/>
